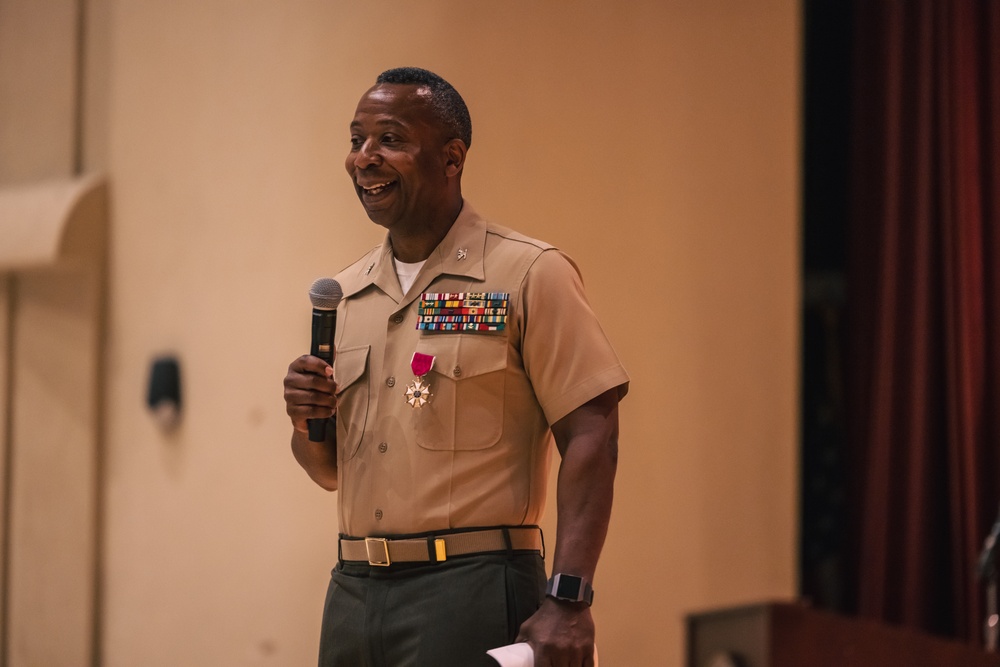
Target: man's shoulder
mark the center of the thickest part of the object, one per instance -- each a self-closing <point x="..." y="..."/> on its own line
<point x="471" y="222"/>
<point x="533" y="255"/>
<point x="502" y="234"/>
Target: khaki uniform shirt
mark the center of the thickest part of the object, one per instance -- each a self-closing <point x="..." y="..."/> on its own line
<point x="476" y="454"/>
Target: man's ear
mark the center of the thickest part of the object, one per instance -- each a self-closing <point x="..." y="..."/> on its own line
<point x="454" y="153"/>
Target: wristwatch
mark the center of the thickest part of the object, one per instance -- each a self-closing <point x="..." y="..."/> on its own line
<point x="570" y="587"/>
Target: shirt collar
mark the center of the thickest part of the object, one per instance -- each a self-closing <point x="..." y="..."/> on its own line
<point x="460" y="253"/>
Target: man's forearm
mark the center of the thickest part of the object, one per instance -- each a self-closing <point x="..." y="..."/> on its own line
<point x="318" y="459"/>
<point x="589" y="448"/>
<point x="562" y="632"/>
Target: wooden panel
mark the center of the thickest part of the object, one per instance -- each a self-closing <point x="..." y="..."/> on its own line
<point x="38" y="63"/>
<point x="53" y="471"/>
<point x="56" y="426"/>
<point x="51" y="418"/>
<point x="34" y="220"/>
<point x="5" y="319"/>
<point x="793" y="635"/>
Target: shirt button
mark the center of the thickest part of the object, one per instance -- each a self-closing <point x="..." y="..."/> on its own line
<point x="383" y="447"/>
<point x="378" y="515"/>
<point x="391" y="382"/>
<point x="457" y="371"/>
<point x="398" y="319"/>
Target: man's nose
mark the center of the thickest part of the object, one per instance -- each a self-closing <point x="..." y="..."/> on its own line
<point x="367" y="155"/>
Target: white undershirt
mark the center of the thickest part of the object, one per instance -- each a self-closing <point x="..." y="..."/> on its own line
<point x="407" y="273"/>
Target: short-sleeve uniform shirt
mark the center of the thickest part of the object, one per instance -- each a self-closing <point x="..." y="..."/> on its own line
<point x="476" y="452"/>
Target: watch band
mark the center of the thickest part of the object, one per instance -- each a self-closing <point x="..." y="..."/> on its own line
<point x="570" y="587"/>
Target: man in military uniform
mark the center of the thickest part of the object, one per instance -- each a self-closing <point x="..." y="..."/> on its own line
<point x="462" y="350"/>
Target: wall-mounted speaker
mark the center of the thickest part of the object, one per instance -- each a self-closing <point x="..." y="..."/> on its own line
<point x="164" y="395"/>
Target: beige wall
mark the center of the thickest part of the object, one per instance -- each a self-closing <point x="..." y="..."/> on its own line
<point x="657" y="142"/>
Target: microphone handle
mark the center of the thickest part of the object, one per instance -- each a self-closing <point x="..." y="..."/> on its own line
<point x="324" y="324"/>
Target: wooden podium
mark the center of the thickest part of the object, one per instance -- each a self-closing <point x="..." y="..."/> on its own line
<point x="795" y="635"/>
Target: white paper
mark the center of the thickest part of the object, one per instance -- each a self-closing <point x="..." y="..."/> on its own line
<point x="519" y="655"/>
<point x="514" y="655"/>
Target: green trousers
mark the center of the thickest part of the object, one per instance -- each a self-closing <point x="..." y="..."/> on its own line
<point x="428" y="615"/>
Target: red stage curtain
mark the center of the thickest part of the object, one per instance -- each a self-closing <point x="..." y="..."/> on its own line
<point x="924" y="307"/>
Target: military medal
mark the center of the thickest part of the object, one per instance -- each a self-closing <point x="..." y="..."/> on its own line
<point x="418" y="393"/>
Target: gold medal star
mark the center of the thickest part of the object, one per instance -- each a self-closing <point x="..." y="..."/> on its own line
<point x="417" y="393"/>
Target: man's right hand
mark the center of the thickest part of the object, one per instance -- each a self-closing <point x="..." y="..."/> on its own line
<point x="310" y="392"/>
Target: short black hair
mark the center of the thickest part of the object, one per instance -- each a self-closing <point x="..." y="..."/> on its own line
<point x="445" y="100"/>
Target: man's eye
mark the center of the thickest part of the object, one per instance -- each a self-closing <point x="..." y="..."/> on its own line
<point x="356" y="143"/>
<point x="390" y="139"/>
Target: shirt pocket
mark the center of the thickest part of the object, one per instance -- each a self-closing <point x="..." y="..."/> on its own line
<point x="350" y="368"/>
<point x="467" y="392"/>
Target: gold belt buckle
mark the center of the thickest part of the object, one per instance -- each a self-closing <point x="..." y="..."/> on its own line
<point x="378" y="551"/>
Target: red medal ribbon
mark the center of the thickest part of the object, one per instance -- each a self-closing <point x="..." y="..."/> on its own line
<point x="421" y="364"/>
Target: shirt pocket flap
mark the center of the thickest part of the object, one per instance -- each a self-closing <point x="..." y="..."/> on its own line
<point x="349" y="366"/>
<point x="349" y="372"/>
<point x="465" y="356"/>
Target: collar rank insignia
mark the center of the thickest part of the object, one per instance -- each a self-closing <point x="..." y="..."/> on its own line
<point x="463" y="311"/>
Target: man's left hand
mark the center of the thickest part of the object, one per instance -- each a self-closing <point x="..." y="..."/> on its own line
<point x="561" y="634"/>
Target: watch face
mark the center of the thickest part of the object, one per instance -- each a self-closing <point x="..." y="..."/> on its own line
<point x="569" y="587"/>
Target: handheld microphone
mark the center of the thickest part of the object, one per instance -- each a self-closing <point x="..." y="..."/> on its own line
<point x="325" y="295"/>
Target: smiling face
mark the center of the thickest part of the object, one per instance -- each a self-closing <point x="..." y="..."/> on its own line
<point x="402" y="165"/>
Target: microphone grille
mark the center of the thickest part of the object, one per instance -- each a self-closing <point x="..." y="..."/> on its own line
<point x="326" y="294"/>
